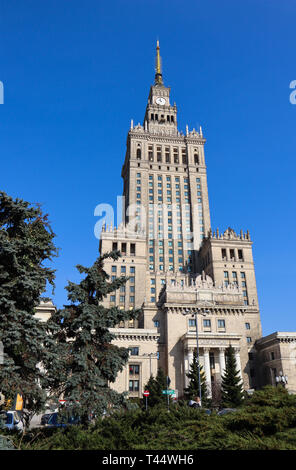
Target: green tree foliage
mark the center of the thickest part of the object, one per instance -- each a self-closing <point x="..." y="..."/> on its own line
<point x="266" y="421"/>
<point x="88" y="359"/>
<point x="26" y="247"/>
<point x="192" y="391"/>
<point x="156" y="386"/>
<point x="232" y="387"/>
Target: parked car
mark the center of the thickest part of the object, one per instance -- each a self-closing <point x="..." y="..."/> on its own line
<point x="225" y="411"/>
<point x="45" y="418"/>
<point x="58" y="420"/>
<point x="12" y="420"/>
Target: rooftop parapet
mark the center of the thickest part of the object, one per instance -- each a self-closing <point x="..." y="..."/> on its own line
<point x="122" y="231"/>
<point x="202" y="289"/>
<point x="229" y="234"/>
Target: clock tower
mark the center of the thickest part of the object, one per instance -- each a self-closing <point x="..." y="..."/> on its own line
<point x="174" y="261"/>
<point x="160" y="116"/>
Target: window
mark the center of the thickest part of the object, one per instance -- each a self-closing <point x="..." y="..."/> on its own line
<point x="212" y="360"/>
<point x="176" y="155"/>
<point x="232" y="256"/>
<point x="134" y="369"/>
<point x="247" y="325"/>
<point x="123" y="269"/>
<point x="221" y="323"/>
<point x="122" y="288"/>
<point x="132" y="299"/>
<point x="240" y="255"/>
<point x="249" y="339"/>
<point x="134" y="385"/>
<point x="207" y="323"/>
<point x="243" y="275"/>
<point x="122" y="299"/>
<point x="224" y="256"/>
<point x="134" y="351"/>
<point x="191" y="323"/>
<point x="225" y="274"/>
<point x="133" y="248"/>
<point x="158" y="154"/>
<point x="156" y="323"/>
<point x="112" y="298"/>
<point x="114" y="269"/>
<point x="196" y="159"/>
<point x="138" y="154"/>
<point x="123" y="248"/>
<point x="272" y="356"/>
<point x="251" y="356"/>
<point x="132" y="269"/>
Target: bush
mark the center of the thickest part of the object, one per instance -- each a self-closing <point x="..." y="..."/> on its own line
<point x="267" y="420"/>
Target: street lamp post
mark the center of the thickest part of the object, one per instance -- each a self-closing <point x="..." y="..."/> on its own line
<point x="198" y="311"/>
<point x="151" y="355"/>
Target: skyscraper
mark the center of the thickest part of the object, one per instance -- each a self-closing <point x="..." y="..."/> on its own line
<point x="176" y="263"/>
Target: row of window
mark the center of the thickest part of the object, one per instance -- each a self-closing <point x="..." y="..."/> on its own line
<point x="123" y="269"/>
<point x="168" y="178"/>
<point x="125" y="248"/>
<point x="168" y="168"/>
<point x="122" y="299"/>
<point x="169" y="118"/>
<point x="207" y="324"/>
<point x="232" y="255"/>
<point x="235" y="282"/>
<point x="167" y="155"/>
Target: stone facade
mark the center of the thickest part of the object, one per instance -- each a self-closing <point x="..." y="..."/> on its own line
<point x="276" y="357"/>
<point x="176" y="264"/>
<point x="45" y="310"/>
<point x="179" y="269"/>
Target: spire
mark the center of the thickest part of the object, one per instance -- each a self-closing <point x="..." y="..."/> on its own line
<point x="158" y="71"/>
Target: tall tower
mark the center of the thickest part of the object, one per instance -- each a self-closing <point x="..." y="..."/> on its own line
<point x="165" y="184"/>
<point x="171" y="255"/>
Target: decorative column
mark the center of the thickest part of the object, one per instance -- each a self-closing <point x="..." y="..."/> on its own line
<point x="188" y="359"/>
<point x="222" y="361"/>
<point x="208" y="370"/>
<point x="238" y="362"/>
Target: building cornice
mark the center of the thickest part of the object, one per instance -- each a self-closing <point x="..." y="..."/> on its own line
<point x="135" y="334"/>
<point x="277" y="337"/>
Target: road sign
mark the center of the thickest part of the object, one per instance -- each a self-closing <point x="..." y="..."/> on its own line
<point x="18" y="402"/>
<point x="146" y="393"/>
<point x="168" y="392"/>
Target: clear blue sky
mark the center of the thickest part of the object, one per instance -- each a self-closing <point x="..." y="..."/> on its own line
<point x="74" y="75"/>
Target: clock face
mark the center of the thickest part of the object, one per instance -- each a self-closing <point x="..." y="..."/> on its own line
<point x="160" y="101"/>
